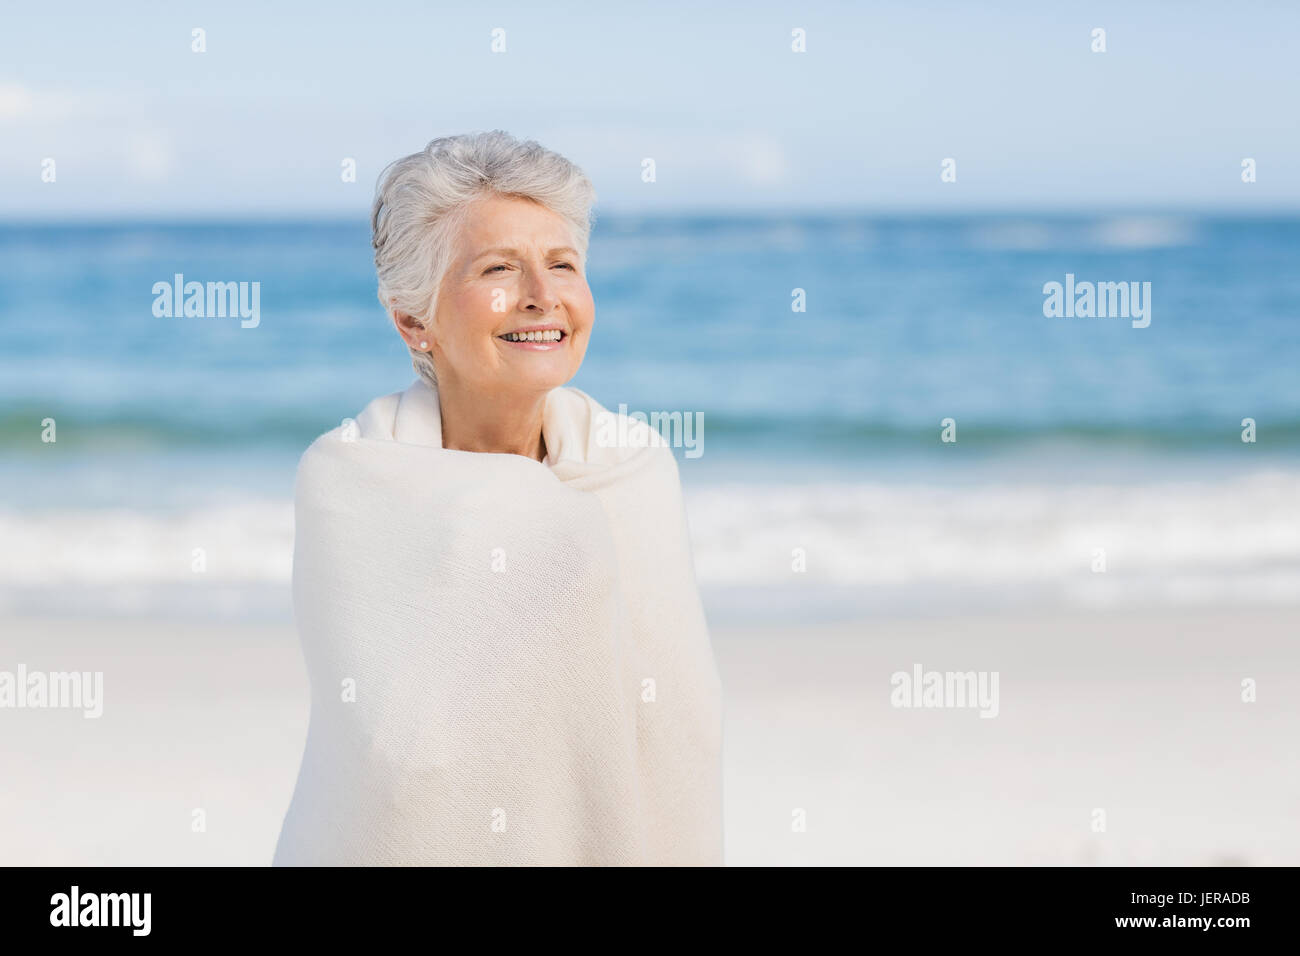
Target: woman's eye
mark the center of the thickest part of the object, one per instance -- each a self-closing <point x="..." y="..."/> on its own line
<point x="564" y="265"/>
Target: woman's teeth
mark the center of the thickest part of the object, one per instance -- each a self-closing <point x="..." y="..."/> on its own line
<point x="550" y="335"/>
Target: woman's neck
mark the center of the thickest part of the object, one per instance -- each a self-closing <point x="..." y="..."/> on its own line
<point x="494" y="423"/>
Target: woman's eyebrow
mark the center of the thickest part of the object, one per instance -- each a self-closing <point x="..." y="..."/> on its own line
<point x="501" y="250"/>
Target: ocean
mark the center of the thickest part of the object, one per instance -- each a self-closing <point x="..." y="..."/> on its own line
<point x="1096" y="461"/>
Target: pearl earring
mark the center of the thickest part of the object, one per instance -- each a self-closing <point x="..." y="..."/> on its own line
<point x="424" y="345"/>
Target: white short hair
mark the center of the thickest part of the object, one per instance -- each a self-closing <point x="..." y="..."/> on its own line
<point x="421" y="200"/>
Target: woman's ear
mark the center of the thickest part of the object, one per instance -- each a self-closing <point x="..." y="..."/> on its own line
<point x="410" y="329"/>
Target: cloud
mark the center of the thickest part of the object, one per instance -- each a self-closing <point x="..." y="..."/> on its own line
<point x="150" y="154"/>
<point x="753" y="158"/>
<point x="16" y="102"/>
<point x="23" y="105"/>
<point x="762" y="160"/>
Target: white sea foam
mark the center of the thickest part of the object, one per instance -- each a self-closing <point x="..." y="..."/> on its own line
<point x="1143" y="232"/>
<point x="1166" y="542"/>
<point x="879" y="534"/>
<point x="1120" y="232"/>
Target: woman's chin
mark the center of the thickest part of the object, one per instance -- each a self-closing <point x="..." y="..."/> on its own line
<point x="542" y="370"/>
<point x="543" y="377"/>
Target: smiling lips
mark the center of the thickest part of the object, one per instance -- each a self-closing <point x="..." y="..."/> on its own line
<point x="536" y="338"/>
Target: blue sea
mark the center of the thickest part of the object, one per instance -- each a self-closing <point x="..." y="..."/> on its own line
<point x="1095" y="463"/>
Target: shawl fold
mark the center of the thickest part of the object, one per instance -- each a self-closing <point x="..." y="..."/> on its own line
<point x="509" y="661"/>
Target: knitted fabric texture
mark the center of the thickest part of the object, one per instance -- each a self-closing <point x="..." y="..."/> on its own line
<point x="509" y="662"/>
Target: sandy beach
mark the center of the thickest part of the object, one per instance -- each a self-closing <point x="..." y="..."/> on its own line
<point x="1138" y="714"/>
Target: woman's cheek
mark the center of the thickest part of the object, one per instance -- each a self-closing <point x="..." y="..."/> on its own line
<point x="587" y="307"/>
<point x="495" y="302"/>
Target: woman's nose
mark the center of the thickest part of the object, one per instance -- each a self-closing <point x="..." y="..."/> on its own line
<point x="539" y="292"/>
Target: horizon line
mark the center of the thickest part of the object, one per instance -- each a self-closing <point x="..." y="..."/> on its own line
<point x="294" y="217"/>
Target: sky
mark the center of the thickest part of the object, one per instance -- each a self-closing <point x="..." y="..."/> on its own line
<point x="259" y="124"/>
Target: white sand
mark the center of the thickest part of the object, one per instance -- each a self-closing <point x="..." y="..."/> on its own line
<point x="1136" y="713"/>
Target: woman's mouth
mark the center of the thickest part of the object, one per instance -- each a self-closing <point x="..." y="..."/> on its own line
<point x="540" y="340"/>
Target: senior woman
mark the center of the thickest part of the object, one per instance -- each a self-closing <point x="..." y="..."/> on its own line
<point x="497" y="604"/>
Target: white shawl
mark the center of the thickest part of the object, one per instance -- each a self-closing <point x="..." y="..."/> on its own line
<point x="509" y="662"/>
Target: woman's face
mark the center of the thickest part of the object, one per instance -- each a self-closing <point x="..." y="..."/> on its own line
<point x="514" y="270"/>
